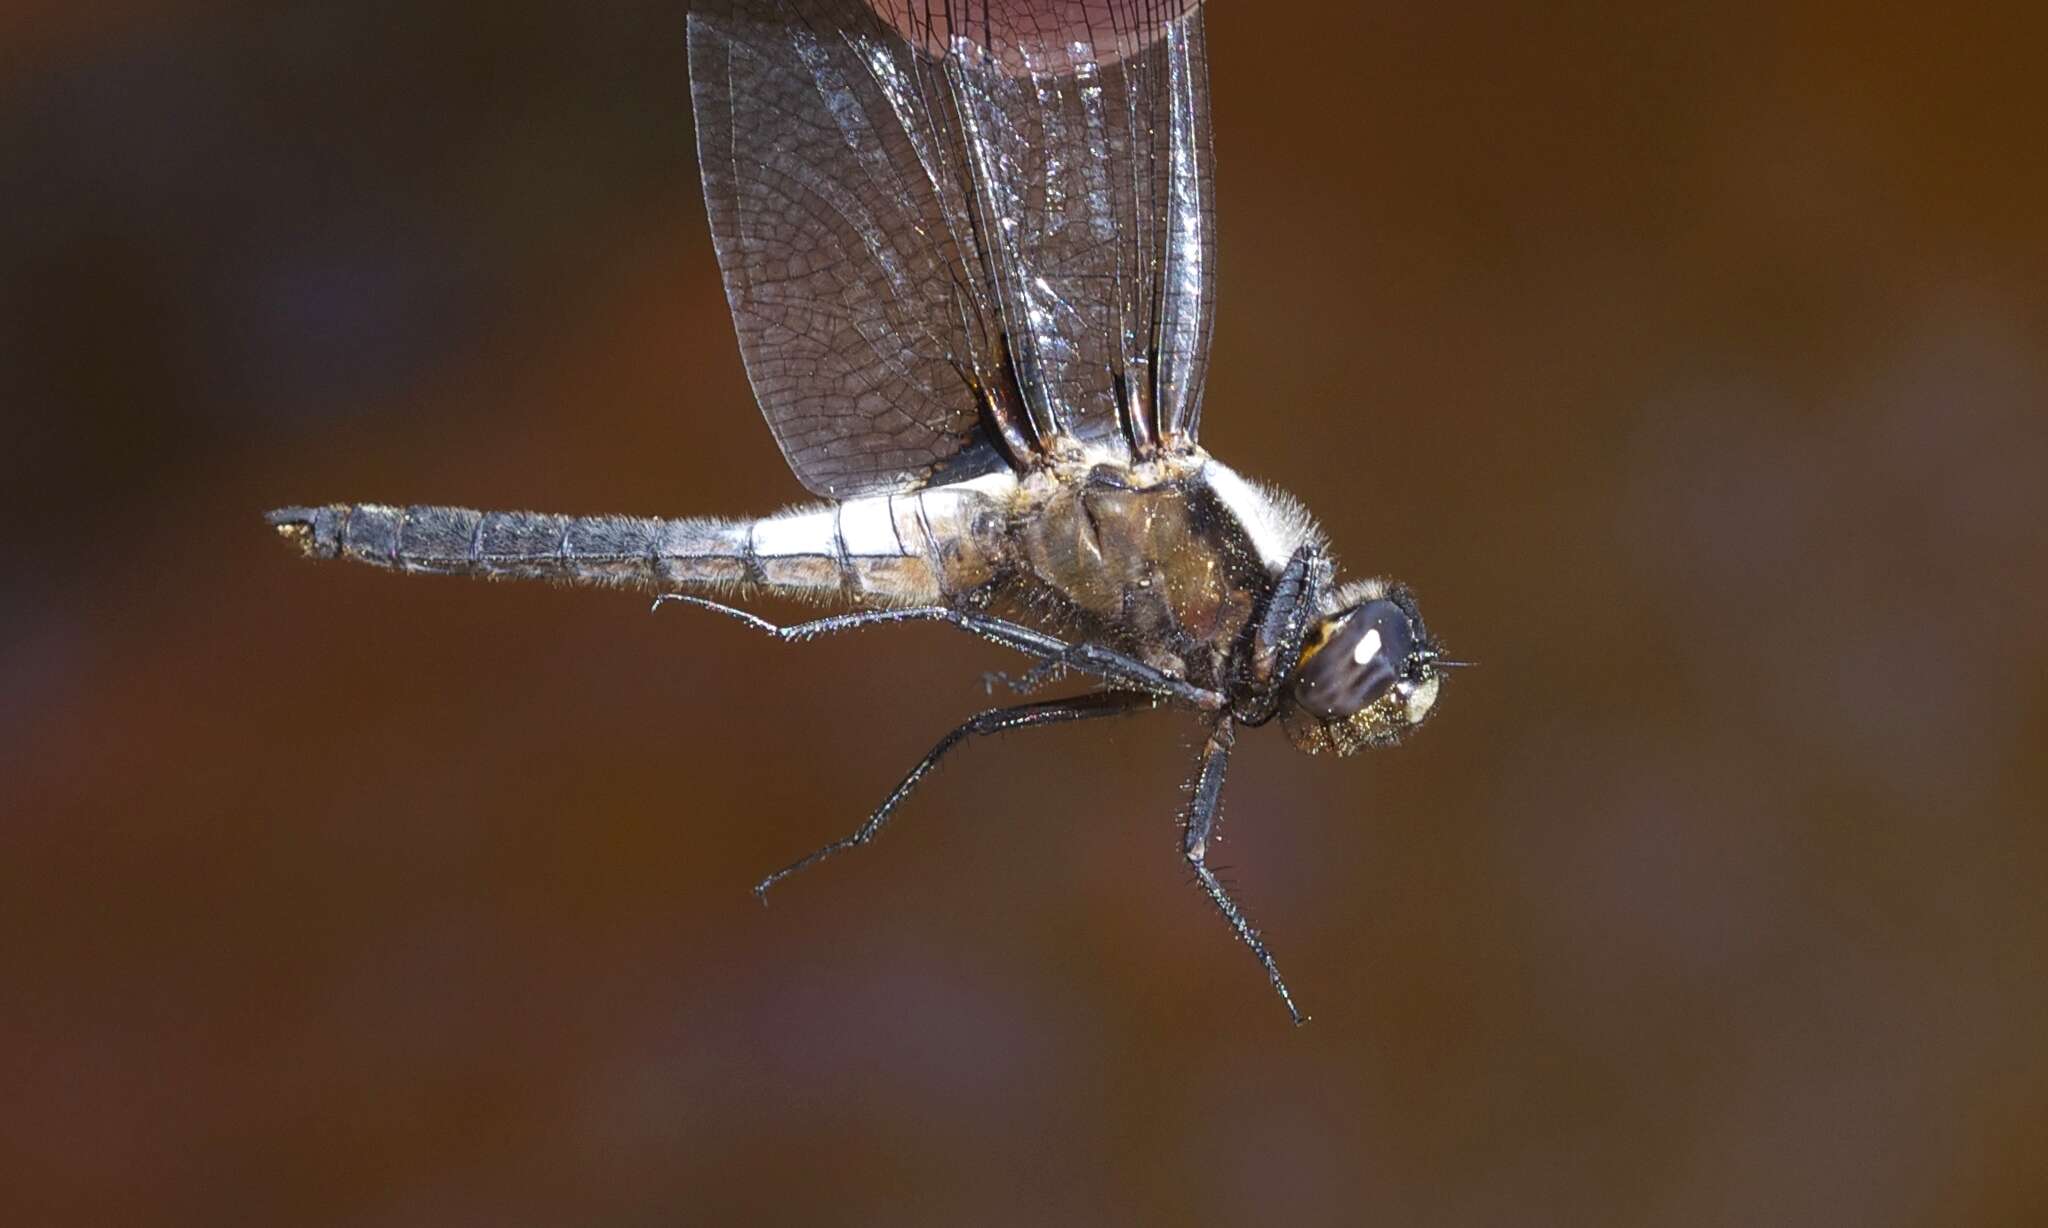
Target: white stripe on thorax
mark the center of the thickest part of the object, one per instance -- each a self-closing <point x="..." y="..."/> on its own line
<point x="1276" y="528"/>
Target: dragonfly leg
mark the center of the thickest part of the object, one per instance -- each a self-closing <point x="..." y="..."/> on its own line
<point x="1094" y="659"/>
<point x="1283" y="629"/>
<point x="1201" y="824"/>
<point x="998" y="720"/>
<point x="1030" y="680"/>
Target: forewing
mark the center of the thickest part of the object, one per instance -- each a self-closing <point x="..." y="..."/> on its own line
<point x="952" y="233"/>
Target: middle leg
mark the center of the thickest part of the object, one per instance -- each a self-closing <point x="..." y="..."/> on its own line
<point x="998" y="720"/>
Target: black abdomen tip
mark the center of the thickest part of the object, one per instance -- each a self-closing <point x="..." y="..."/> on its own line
<point x="297" y="525"/>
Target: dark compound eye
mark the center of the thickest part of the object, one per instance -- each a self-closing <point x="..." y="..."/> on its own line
<point x="1366" y="654"/>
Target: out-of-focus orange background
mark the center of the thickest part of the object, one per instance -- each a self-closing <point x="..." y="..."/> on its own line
<point x="1690" y="363"/>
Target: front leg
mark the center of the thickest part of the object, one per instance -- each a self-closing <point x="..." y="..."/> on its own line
<point x="1282" y="630"/>
<point x="1104" y="663"/>
<point x="1203" y="801"/>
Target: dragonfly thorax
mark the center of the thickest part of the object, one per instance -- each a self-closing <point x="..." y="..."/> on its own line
<point x="1143" y="557"/>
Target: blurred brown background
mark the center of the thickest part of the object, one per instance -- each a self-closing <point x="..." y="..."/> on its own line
<point x="1690" y="362"/>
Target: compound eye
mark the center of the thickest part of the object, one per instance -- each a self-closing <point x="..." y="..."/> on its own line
<point x="1363" y="654"/>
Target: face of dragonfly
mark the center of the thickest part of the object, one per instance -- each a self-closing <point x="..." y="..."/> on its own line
<point x="1368" y="674"/>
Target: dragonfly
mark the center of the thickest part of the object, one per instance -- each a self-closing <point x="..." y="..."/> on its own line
<point x="970" y="254"/>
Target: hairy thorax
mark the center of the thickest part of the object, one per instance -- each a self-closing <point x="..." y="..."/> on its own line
<point x="1143" y="557"/>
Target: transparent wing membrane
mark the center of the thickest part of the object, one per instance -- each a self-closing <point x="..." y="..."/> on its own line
<point x="951" y="233"/>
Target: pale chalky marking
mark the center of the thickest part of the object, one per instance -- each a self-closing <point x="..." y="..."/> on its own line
<point x="868" y="529"/>
<point x="801" y="534"/>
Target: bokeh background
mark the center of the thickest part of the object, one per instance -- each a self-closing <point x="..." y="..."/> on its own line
<point x="1688" y="360"/>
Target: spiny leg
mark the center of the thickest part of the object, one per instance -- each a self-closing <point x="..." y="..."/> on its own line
<point x="1201" y="821"/>
<point x="1105" y="663"/>
<point x="1284" y="627"/>
<point x="998" y="720"/>
<point x="1038" y="675"/>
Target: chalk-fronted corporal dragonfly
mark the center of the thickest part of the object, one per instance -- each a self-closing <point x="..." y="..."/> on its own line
<point x="970" y="254"/>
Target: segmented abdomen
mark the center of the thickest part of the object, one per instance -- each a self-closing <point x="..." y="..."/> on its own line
<point x="920" y="546"/>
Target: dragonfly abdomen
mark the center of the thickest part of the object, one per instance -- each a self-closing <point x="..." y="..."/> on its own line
<point x="915" y="547"/>
<point x="919" y="547"/>
<point x="625" y="551"/>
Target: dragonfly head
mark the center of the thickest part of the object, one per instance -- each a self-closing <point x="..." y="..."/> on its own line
<point x="1368" y="673"/>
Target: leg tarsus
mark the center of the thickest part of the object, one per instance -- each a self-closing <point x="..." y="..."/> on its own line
<point x="755" y="621"/>
<point x="1241" y="925"/>
<point x="1203" y="801"/>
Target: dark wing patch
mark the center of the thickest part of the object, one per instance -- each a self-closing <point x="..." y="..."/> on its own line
<point x="953" y="232"/>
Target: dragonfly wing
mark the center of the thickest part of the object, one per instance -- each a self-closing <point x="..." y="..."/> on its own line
<point x="953" y="234"/>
